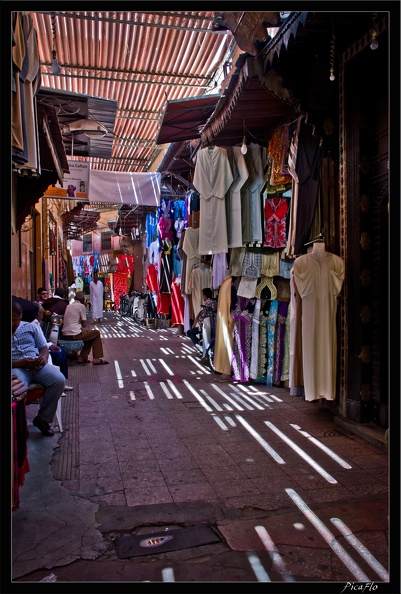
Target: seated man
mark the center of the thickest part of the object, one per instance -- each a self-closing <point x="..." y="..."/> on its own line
<point x="33" y="312"/>
<point x="56" y="304"/>
<point x="29" y="353"/>
<point x="74" y="325"/>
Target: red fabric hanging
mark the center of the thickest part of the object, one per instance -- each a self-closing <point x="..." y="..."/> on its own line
<point x="119" y="288"/>
<point x="177" y="305"/>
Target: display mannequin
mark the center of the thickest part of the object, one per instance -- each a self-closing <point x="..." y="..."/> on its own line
<point x="319" y="277"/>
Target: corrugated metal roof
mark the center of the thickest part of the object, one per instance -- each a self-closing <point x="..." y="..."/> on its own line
<point x="141" y="60"/>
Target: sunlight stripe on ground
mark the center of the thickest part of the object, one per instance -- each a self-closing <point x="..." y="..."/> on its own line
<point x="300" y="452"/>
<point x="323" y="447"/>
<point x="230" y="421"/>
<point x="166" y="367"/>
<point x="149" y="391"/>
<point x="133" y="373"/>
<point x="145" y="367"/>
<point x="149" y="362"/>
<point x="197" y="396"/>
<point x="261" y="441"/>
<point x="201" y="367"/>
<point x="239" y="399"/>
<point x="118" y="374"/>
<point x="251" y="400"/>
<point x="166" y="390"/>
<point x="361" y="549"/>
<point x="220" y="422"/>
<point x="216" y="406"/>
<point x="258" y="568"/>
<point x="174" y="389"/>
<point x="132" y="396"/>
<point x="275" y="556"/>
<point x="237" y="406"/>
<point x="341" y="553"/>
<point x="164" y="351"/>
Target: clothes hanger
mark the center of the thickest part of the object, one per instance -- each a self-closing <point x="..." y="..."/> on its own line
<point x="318" y="239"/>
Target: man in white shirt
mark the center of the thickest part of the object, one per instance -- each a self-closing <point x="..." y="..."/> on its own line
<point x="74" y="325"/>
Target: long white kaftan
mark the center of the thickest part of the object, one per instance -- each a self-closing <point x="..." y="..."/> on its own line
<point x="96" y="297"/>
<point x="212" y="179"/>
<point x="319" y="277"/>
<point x="234" y="219"/>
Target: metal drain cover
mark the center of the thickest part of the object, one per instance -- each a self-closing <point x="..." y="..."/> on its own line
<point x="164" y="541"/>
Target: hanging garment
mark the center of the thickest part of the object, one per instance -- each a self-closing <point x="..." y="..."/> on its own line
<point x="279" y="346"/>
<point x="236" y="261"/>
<point x="254" y="194"/>
<point x="286" y="353"/>
<point x="262" y="349"/>
<point x="246" y="199"/>
<point x="177" y="304"/>
<point x="212" y="178"/>
<point x="165" y="225"/>
<point x="233" y="202"/>
<point x="152" y="278"/>
<point x="296" y="377"/>
<point x="151" y="228"/>
<point x="166" y="266"/>
<point x="219" y="269"/>
<point x="224" y="330"/>
<point x="96" y="299"/>
<point x="255" y="342"/>
<point x="183" y="257"/>
<point x="319" y="276"/>
<point x="200" y="278"/>
<point x="309" y="158"/>
<point x="241" y="356"/>
<point x="190" y="246"/>
<point x="275" y="151"/>
<point x="271" y="341"/>
<point x="275" y="222"/>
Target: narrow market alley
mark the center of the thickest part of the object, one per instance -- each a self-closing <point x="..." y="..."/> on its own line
<point x="163" y="473"/>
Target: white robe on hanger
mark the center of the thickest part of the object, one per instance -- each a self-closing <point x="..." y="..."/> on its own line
<point x="212" y="179"/>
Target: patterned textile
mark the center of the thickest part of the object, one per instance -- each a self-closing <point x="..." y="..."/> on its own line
<point x="275" y="222"/>
<point x="271" y="341"/>
<point x="286" y="355"/>
<point x="279" y="347"/>
<point x="255" y="341"/>
<point x="241" y="357"/>
<point x="276" y="153"/>
<point x="119" y="288"/>
<point x="262" y="349"/>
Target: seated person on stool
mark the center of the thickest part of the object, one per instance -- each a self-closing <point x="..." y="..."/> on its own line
<point x="33" y="312"/>
<point x="30" y="354"/>
<point x="74" y="325"/>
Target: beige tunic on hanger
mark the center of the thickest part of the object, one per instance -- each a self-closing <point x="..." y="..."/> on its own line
<point x="212" y="178"/>
<point x="319" y="277"/>
<point x="234" y="220"/>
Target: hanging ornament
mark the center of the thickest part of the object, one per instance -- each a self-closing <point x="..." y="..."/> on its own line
<point x="332" y="55"/>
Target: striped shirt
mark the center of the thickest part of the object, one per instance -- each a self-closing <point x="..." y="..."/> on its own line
<point x="27" y="341"/>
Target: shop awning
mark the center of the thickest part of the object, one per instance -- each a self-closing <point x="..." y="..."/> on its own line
<point x="121" y="187"/>
<point x="183" y="119"/>
<point x="77" y="221"/>
<point x="254" y="105"/>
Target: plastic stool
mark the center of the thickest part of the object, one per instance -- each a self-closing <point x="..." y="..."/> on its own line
<point x="35" y="393"/>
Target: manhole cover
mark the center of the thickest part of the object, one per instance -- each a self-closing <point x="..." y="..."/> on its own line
<point x="174" y="540"/>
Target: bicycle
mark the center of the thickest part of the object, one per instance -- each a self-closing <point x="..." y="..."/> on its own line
<point x="125" y="305"/>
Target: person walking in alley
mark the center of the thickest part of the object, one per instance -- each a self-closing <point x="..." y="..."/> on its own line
<point x="30" y="353"/>
<point x="96" y="298"/>
<point x="74" y="325"/>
